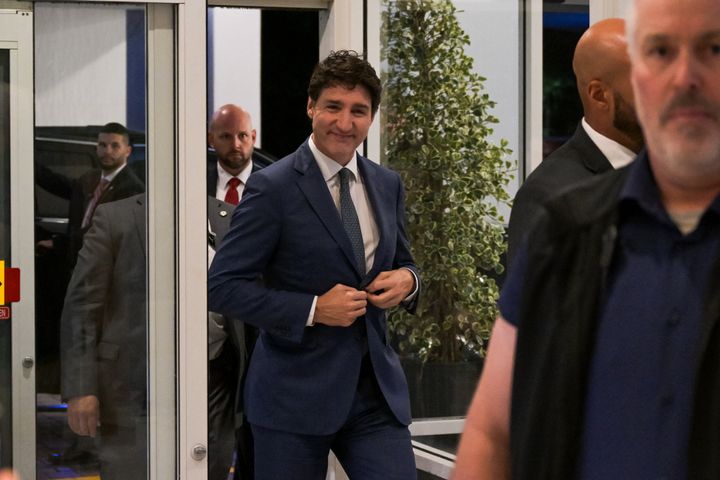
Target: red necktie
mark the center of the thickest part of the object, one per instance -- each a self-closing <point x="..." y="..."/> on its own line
<point x="231" y="196"/>
<point x="92" y="205"/>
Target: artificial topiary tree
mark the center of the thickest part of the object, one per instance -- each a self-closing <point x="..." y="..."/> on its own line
<point x="437" y="124"/>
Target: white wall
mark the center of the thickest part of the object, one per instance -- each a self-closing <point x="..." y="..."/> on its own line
<point x="236" y="60"/>
<point x="80" y="64"/>
<point x="600" y="9"/>
<point x="494" y="30"/>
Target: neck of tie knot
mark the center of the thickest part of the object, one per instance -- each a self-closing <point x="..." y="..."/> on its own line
<point x="345" y="175"/>
<point x="232" y="196"/>
<point x="92" y="205"/>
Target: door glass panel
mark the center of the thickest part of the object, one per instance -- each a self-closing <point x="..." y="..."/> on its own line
<point x="274" y="45"/>
<point x="5" y="350"/>
<point x="91" y="301"/>
<point x="563" y="24"/>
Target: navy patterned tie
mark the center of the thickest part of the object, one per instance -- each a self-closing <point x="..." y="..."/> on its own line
<point x="350" y="220"/>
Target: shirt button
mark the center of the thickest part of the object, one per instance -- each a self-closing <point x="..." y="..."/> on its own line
<point x="674" y="319"/>
<point x="667" y="399"/>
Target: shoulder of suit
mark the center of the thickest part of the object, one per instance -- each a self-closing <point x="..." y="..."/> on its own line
<point x="127" y="173"/>
<point x="587" y="200"/>
<point x="563" y="166"/>
<point x="138" y="199"/>
<point x="123" y="205"/>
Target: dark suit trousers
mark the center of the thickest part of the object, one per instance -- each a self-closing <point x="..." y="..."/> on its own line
<point x="371" y="445"/>
<point x="227" y="443"/>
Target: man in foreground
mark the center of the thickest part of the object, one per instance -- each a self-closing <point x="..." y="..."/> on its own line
<point x="604" y="362"/>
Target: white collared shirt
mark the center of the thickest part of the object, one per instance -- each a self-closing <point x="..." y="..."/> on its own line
<point x="618" y="155"/>
<point x="330" y="169"/>
<point x="371" y="236"/>
<point x="224" y="177"/>
<point x="110" y="176"/>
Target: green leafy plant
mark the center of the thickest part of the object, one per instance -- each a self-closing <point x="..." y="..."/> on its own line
<point x="437" y="123"/>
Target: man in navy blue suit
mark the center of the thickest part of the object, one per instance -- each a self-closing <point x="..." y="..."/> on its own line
<point x="316" y="253"/>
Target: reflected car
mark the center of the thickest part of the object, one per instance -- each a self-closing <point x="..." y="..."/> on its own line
<point x="70" y="152"/>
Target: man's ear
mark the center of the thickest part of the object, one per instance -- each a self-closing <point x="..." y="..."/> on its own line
<point x="599" y="94"/>
<point x="210" y="140"/>
<point x="310" y="107"/>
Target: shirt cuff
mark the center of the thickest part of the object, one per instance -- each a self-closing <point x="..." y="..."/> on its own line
<point x="311" y="321"/>
<point x="417" y="286"/>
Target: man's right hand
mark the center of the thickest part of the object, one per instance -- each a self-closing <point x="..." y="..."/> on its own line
<point x="84" y="415"/>
<point x="340" y="306"/>
<point x="44" y="245"/>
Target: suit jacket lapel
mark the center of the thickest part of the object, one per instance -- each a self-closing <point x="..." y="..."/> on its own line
<point x="592" y="157"/>
<point x="314" y="187"/>
<point x="115" y="183"/>
<point x="219" y="214"/>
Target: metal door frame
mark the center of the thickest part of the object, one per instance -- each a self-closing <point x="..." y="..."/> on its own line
<point x="16" y="36"/>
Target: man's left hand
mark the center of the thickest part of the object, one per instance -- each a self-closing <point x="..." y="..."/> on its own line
<point x="390" y="288"/>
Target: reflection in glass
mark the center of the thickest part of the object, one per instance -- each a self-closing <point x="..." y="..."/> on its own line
<point x="91" y="302"/>
<point x="103" y="338"/>
<point x="562" y="27"/>
<point x="5" y="377"/>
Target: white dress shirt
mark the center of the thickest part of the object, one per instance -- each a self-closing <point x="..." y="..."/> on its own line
<point x="618" y="155"/>
<point x="368" y="227"/>
<point x="224" y="177"/>
<point x="330" y="171"/>
<point x="110" y="176"/>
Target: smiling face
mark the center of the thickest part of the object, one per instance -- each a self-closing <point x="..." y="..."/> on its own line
<point x="341" y="118"/>
<point x="676" y="79"/>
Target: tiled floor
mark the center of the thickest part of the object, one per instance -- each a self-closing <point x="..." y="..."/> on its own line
<point x="54" y="439"/>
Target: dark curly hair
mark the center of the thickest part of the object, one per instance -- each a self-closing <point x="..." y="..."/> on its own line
<point x="348" y="69"/>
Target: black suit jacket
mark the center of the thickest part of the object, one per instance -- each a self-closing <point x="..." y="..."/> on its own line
<point x="577" y="159"/>
<point x="124" y="185"/>
<point x="241" y="337"/>
<point x="228" y="432"/>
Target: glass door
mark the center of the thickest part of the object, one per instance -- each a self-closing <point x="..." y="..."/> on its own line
<point x="87" y="94"/>
<point x="104" y="216"/>
<point x="5" y="355"/>
<point x="17" y="357"/>
<point x="91" y="244"/>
